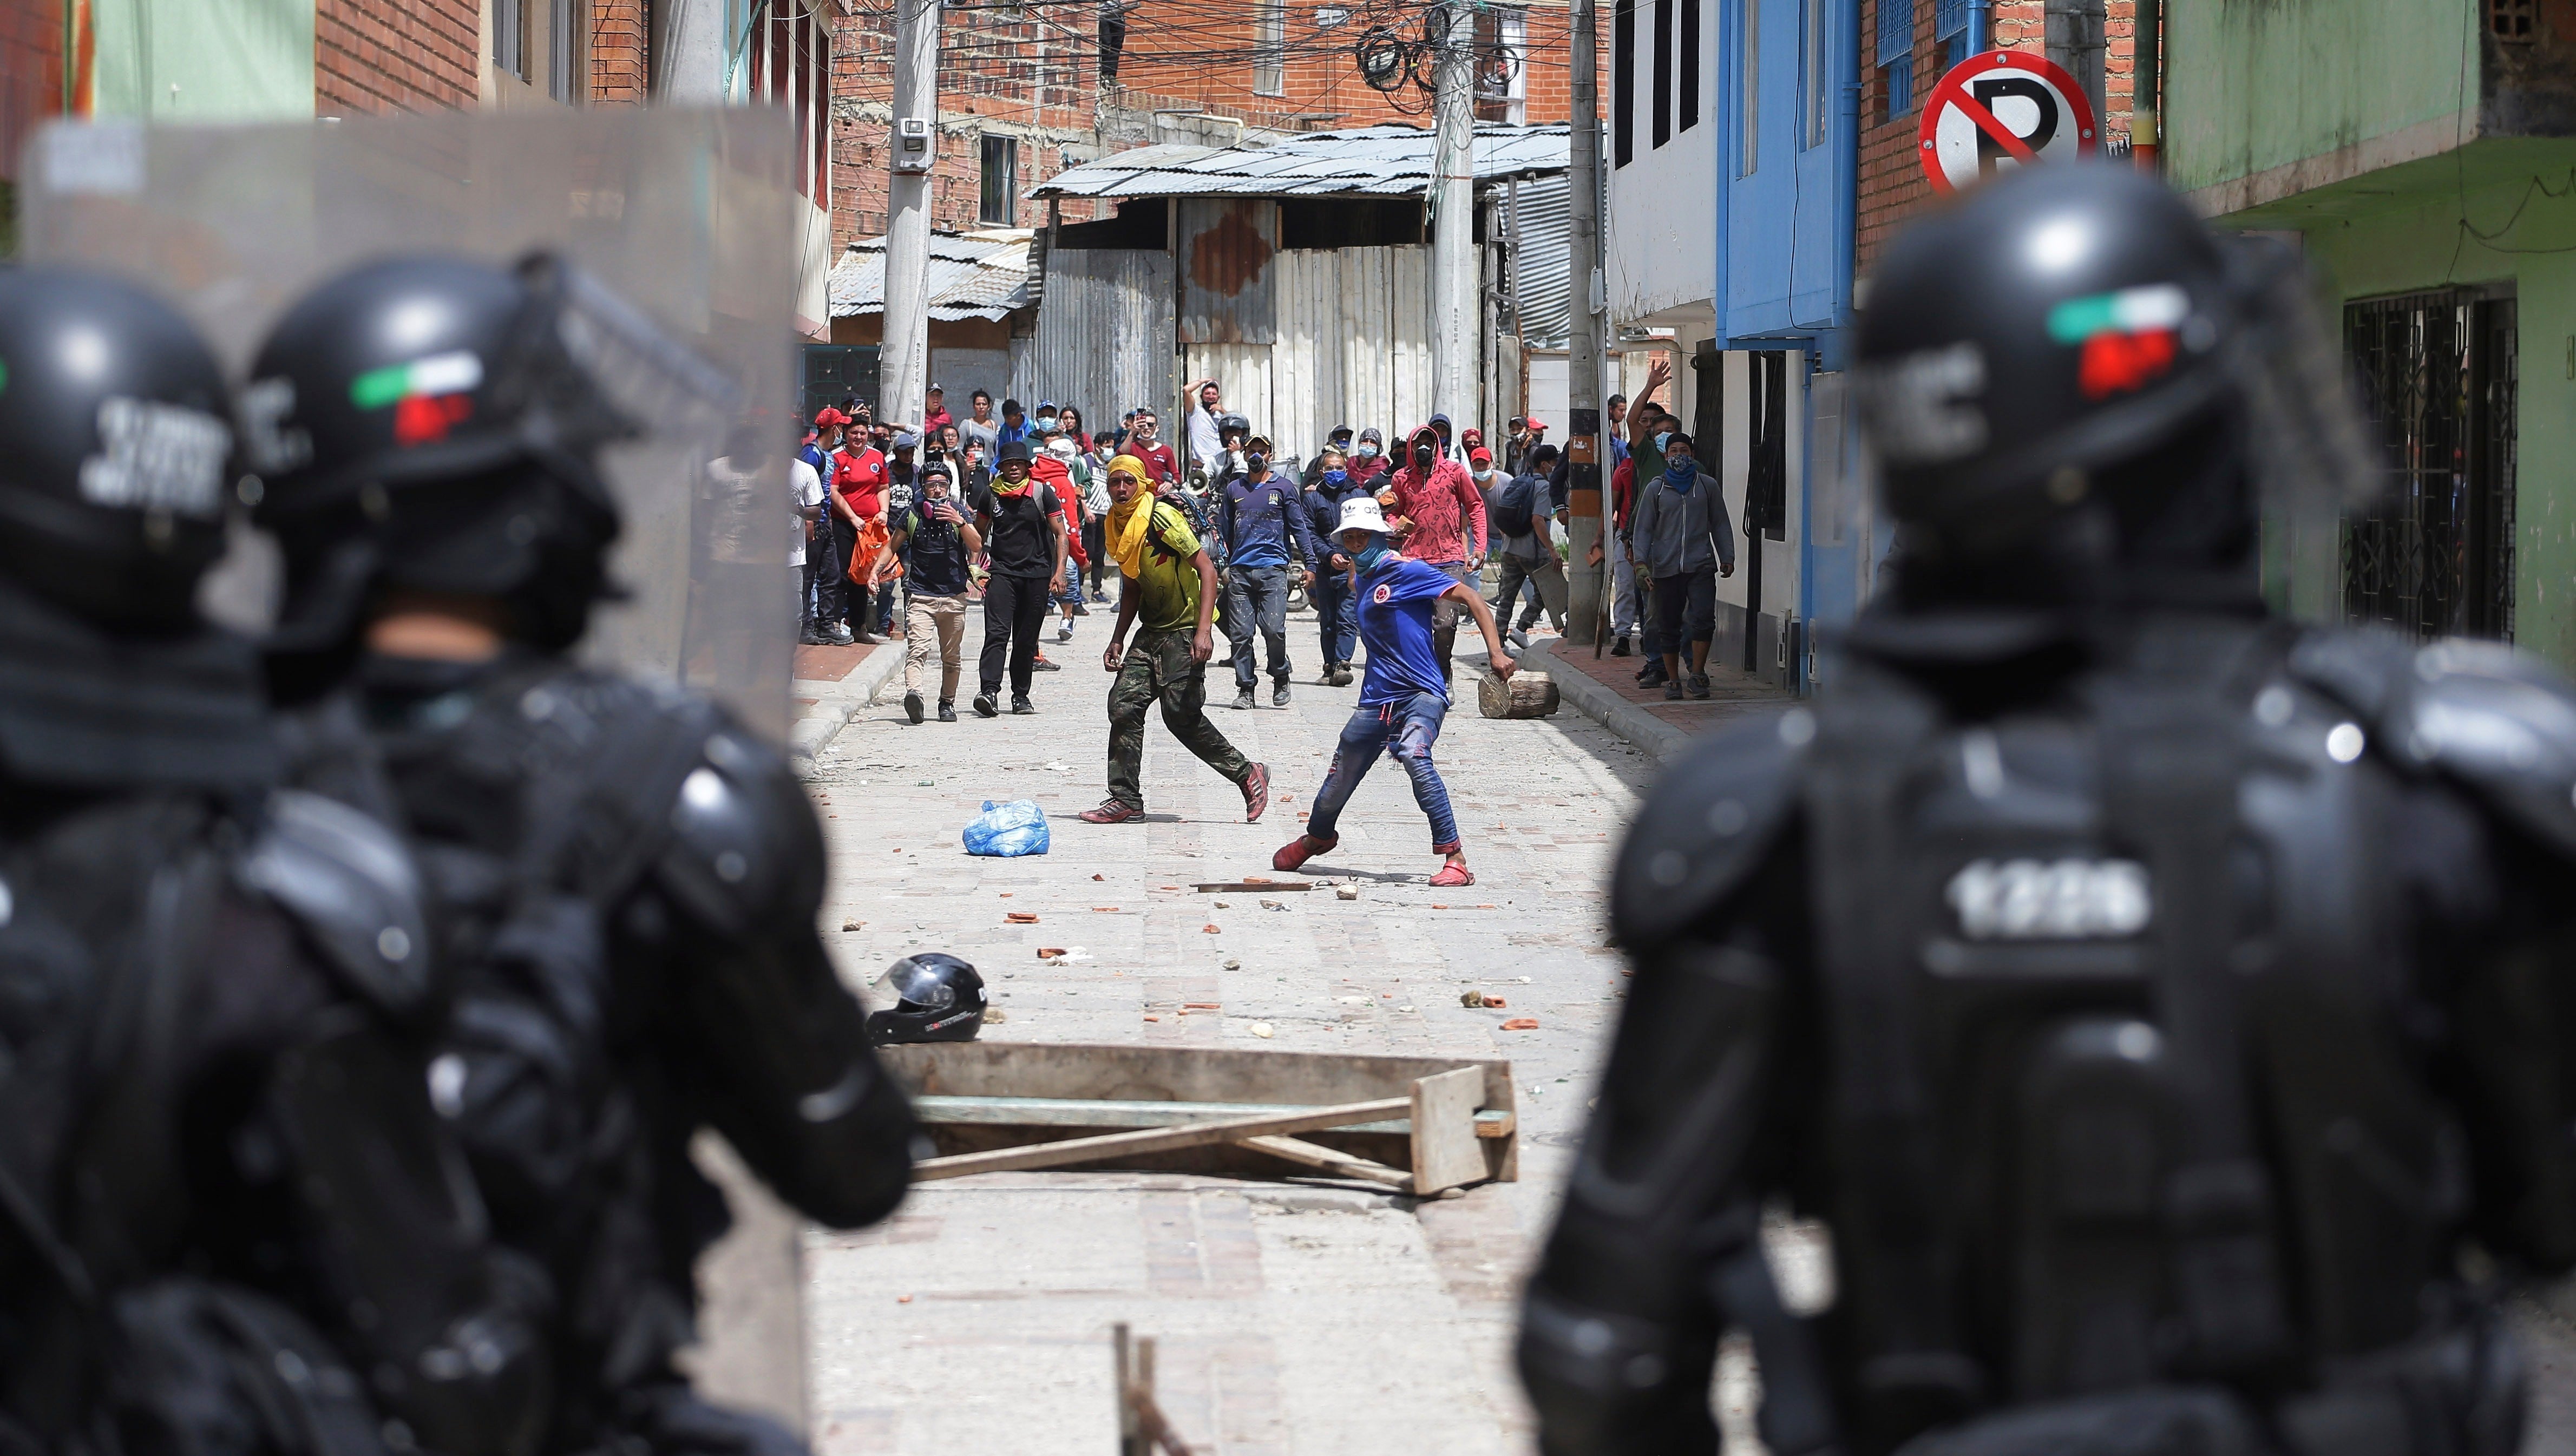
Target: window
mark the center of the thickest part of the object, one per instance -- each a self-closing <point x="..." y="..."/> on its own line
<point x="510" y="36"/>
<point x="1623" y="83"/>
<point x="2510" y="20"/>
<point x="1895" y="58"/>
<point x="1817" y="119"/>
<point x="1749" y="90"/>
<point x="2077" y="33"/>
<point x="1270" y="49"/>
<point x="1502" y="64"/>
<point x="1690" y="64"/>
<point x="1663" y="71"/>
<point x="567" y="28"/>
<point x="1950" y="31"/>
<point x="1001" y="181"/>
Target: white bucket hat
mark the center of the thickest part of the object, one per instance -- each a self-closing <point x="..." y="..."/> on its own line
<point x="1360" y="513"/>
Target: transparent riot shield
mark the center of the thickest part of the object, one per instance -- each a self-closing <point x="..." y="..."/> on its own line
<point x="687" y="218"/>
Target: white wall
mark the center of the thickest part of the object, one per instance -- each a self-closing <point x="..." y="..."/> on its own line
<point x="1659" y="232"/>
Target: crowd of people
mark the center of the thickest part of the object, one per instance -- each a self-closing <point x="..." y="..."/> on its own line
<point x="1215" y="536"/>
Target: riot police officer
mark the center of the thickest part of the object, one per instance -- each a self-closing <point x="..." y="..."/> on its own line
<point x="230" y="1219"/>
<point x="633" y="878"/>
<point x="2164" y="1007"/>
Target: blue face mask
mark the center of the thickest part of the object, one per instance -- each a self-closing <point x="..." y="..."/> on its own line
<point x="1681" y="474"/>
<point x="1662" y="438"/>
<point x="1336" y="476"/>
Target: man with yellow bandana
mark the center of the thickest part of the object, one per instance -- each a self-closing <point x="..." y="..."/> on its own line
<point x="1171" y="586"/>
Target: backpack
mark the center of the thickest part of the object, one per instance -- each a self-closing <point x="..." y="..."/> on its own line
<point x="1509" y="513"/>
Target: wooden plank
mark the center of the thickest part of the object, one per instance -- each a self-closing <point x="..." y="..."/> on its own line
<point x="1108" y="1112"/>
<point x="1253" y="887"/>
<point x="1445" y="1152"/>
<point x="1340" y="1165"/>
<point x="1159" y="1140"/>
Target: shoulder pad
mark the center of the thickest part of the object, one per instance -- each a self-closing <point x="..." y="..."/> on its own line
<point x="1705" y="827"/>
<point x="2499" y="722"/>
<point x="744" y="842"/>
<point x="354" y="888"/>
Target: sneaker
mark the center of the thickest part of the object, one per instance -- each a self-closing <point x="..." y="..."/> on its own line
<point x="1297" y="851"/>
<point x="1618" y="647"/>
<point x="1020" y="703"/>
<point x="1042" y="665"/>
<point x="912" y="705"/>
<point x="947" y="710"/>
<point x="1672" y="690"/>
<point x="840" y="635"/>
<point x="1519" y="638"/>
<point x="1452" y="876"/>
<point x="1652" y="674"/>
<point x="1099" y="598"/>
<point x="1256" y="793"/>
<point x="1081" y="608"/>
<point x="985" y="706"/>
<point x="1064" y="633"/>
<point x="812" y="638"/>
<point x="1699" y="685"/>
<point x="1112" y="811"/>
<point x="1279" y="694"/>
<point x="1243" y="697"/>
<point x="1342" y="676"/>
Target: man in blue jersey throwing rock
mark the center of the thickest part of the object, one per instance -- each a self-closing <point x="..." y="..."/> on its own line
<point x="1404" y="695"/>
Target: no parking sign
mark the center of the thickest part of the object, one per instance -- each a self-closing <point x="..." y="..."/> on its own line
<point x="2003" y="109"/>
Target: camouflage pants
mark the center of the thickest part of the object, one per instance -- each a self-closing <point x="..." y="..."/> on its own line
<point x="1158" y="667"/>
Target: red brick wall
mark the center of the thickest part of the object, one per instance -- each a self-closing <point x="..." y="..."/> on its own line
<point x="31" y="73"/>
<point x="393" y="55"/>
<point x="620" y="72"/>
<point x="1892" y="184"/>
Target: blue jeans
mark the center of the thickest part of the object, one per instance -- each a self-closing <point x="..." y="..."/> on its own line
<point x="1406" y="731"/>
<point x="1337" y="614"/>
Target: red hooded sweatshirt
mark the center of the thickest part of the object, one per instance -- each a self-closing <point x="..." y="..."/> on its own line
<point x="1448" y="516"/>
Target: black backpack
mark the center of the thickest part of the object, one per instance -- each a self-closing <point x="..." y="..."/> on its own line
<point x="1509" y="512"/>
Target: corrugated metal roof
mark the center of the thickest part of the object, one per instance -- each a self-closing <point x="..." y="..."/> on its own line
<point x="1388" y="160"/>
<point x="981" y="275"/>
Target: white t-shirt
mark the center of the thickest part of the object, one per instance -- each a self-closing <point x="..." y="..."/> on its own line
<point x="806" y="488"/>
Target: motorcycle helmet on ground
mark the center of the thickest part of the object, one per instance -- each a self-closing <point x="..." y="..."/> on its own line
<point x="938" y="998"/>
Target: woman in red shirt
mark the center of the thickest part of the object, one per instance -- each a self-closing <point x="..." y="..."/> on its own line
<point x="1069" y="420"/>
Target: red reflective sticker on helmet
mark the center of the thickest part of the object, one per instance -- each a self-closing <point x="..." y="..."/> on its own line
<point x="2116" y="363"/>
<point x="426" y="419"/>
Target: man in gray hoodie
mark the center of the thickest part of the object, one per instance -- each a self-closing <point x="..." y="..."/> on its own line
<point x="1682" y="537"/>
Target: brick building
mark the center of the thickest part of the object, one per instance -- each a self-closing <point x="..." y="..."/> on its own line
<point x="393" y="55"/>
<point x="1906" y="45"/>
<point x="1023" y="94"/>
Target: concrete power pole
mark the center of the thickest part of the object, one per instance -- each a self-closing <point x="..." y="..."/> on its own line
<point x="1587" y="434"/>
<point x="903" y="375"/>
<point x="1454" y="274"/>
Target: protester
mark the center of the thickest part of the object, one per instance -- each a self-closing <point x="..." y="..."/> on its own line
<point x="1522" y="512"/>
<point x="1069" y="421"/>
<point x="1369" y="464"/>
<point x="1168" y="585"/>
<point x="1337" y="443"/>
<point x="1622" y="559"/>
<point x="1203" y="437"/>
<point x="1263" y="522"/>
<point x="1095" y="514"/>
<point x="1161" y="465"/>
<point x="1645" y="461"/>
<point x="1044" y="424"/>
<point x="934" y="412"/>
<point x="1015" y="424"/>
<point x="1536" y="437"/>
<point x="808" y="549"/>
<point x="977" y="470"/>
<point x="1682" y="518"/>
<point x="1060" y="468"/>
<point x="979" y="424"/>
<point x="827" y="590"/>
<point x="1443" y="523"/>
<point x="1404" y="696"/>
<point x="902" y="467"/>
<point x="860" y="481"/>
<point x="1022" y="524"/>
<point x="1336" y="614"/>
<point x="1449" y="448"/>
<point x="938" y="541"/>
<point x="1232" y="432"/>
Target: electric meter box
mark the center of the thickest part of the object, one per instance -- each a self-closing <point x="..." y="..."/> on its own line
<point x="914" y="140"/>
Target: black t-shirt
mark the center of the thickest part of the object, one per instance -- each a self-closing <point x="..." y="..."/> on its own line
<point x="934" y="552"/>
<point x="1018" y="536"/>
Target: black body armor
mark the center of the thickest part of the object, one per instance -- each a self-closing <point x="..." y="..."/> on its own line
<point x="630" y="884"/>
<point x="2154" y="1014"/>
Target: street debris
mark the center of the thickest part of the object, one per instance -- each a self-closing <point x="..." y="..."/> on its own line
<point x="1478" y="1000"/>
<point x="1049" y="952"/>
<point x="1007" y="831"/>
<point x="1347" y="892"/>
<point x="1261" y="1029"/>
<point x="852" y="924"/>
<point x="1522" y="1023"/>
<point x="1021" y="917"/>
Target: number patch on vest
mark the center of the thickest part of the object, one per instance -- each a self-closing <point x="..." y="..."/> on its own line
<point x="2066" y="899"/>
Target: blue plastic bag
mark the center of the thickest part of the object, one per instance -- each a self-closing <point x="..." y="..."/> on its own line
<point x="1008" y="830"/>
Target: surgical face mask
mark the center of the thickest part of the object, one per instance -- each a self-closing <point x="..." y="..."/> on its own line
<point x="1367" y="451"/>
<point x="1662" y="438"/>
<point x="1046" y="422"/>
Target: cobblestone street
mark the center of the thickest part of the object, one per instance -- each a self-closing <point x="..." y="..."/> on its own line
<point x="1296" y="1315"/>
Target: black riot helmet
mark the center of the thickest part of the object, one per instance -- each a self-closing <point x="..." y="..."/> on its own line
<point x="435" y="423"/>
<point x="937" y="998"/>
<point x="114" y="449"/>
<point x="1231" y="428"/>
<point x="2066" y="366"/>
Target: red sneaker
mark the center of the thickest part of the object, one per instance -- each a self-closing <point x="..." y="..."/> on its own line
<point x="1256" y="793"/>
<point x="1112" y="811"/>
<point x="1301" y="849"/>
<point x="1452" y="876"/>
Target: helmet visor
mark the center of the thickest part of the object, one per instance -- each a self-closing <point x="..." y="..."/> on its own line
<point x="922" y="984"/>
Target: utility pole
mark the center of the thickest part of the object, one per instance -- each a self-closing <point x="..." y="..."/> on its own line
<point x="1586" y="442"/>
<point x="904" y="375"/>
<point x="1454" y="292"/>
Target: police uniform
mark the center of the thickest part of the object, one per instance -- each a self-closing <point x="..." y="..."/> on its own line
<point x="2154" y="999"/>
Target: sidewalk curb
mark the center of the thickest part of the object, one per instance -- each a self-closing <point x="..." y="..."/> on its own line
<point x="823" y="722"/>
<point x="1602" y="706"/>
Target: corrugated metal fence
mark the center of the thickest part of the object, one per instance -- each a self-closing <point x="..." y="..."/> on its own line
<point x="1104" y="337"/>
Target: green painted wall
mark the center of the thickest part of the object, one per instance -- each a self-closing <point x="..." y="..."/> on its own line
<point x="230" y="60"/>
<point x="2255" y="84"/>
<point x="2400" y="229"/>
